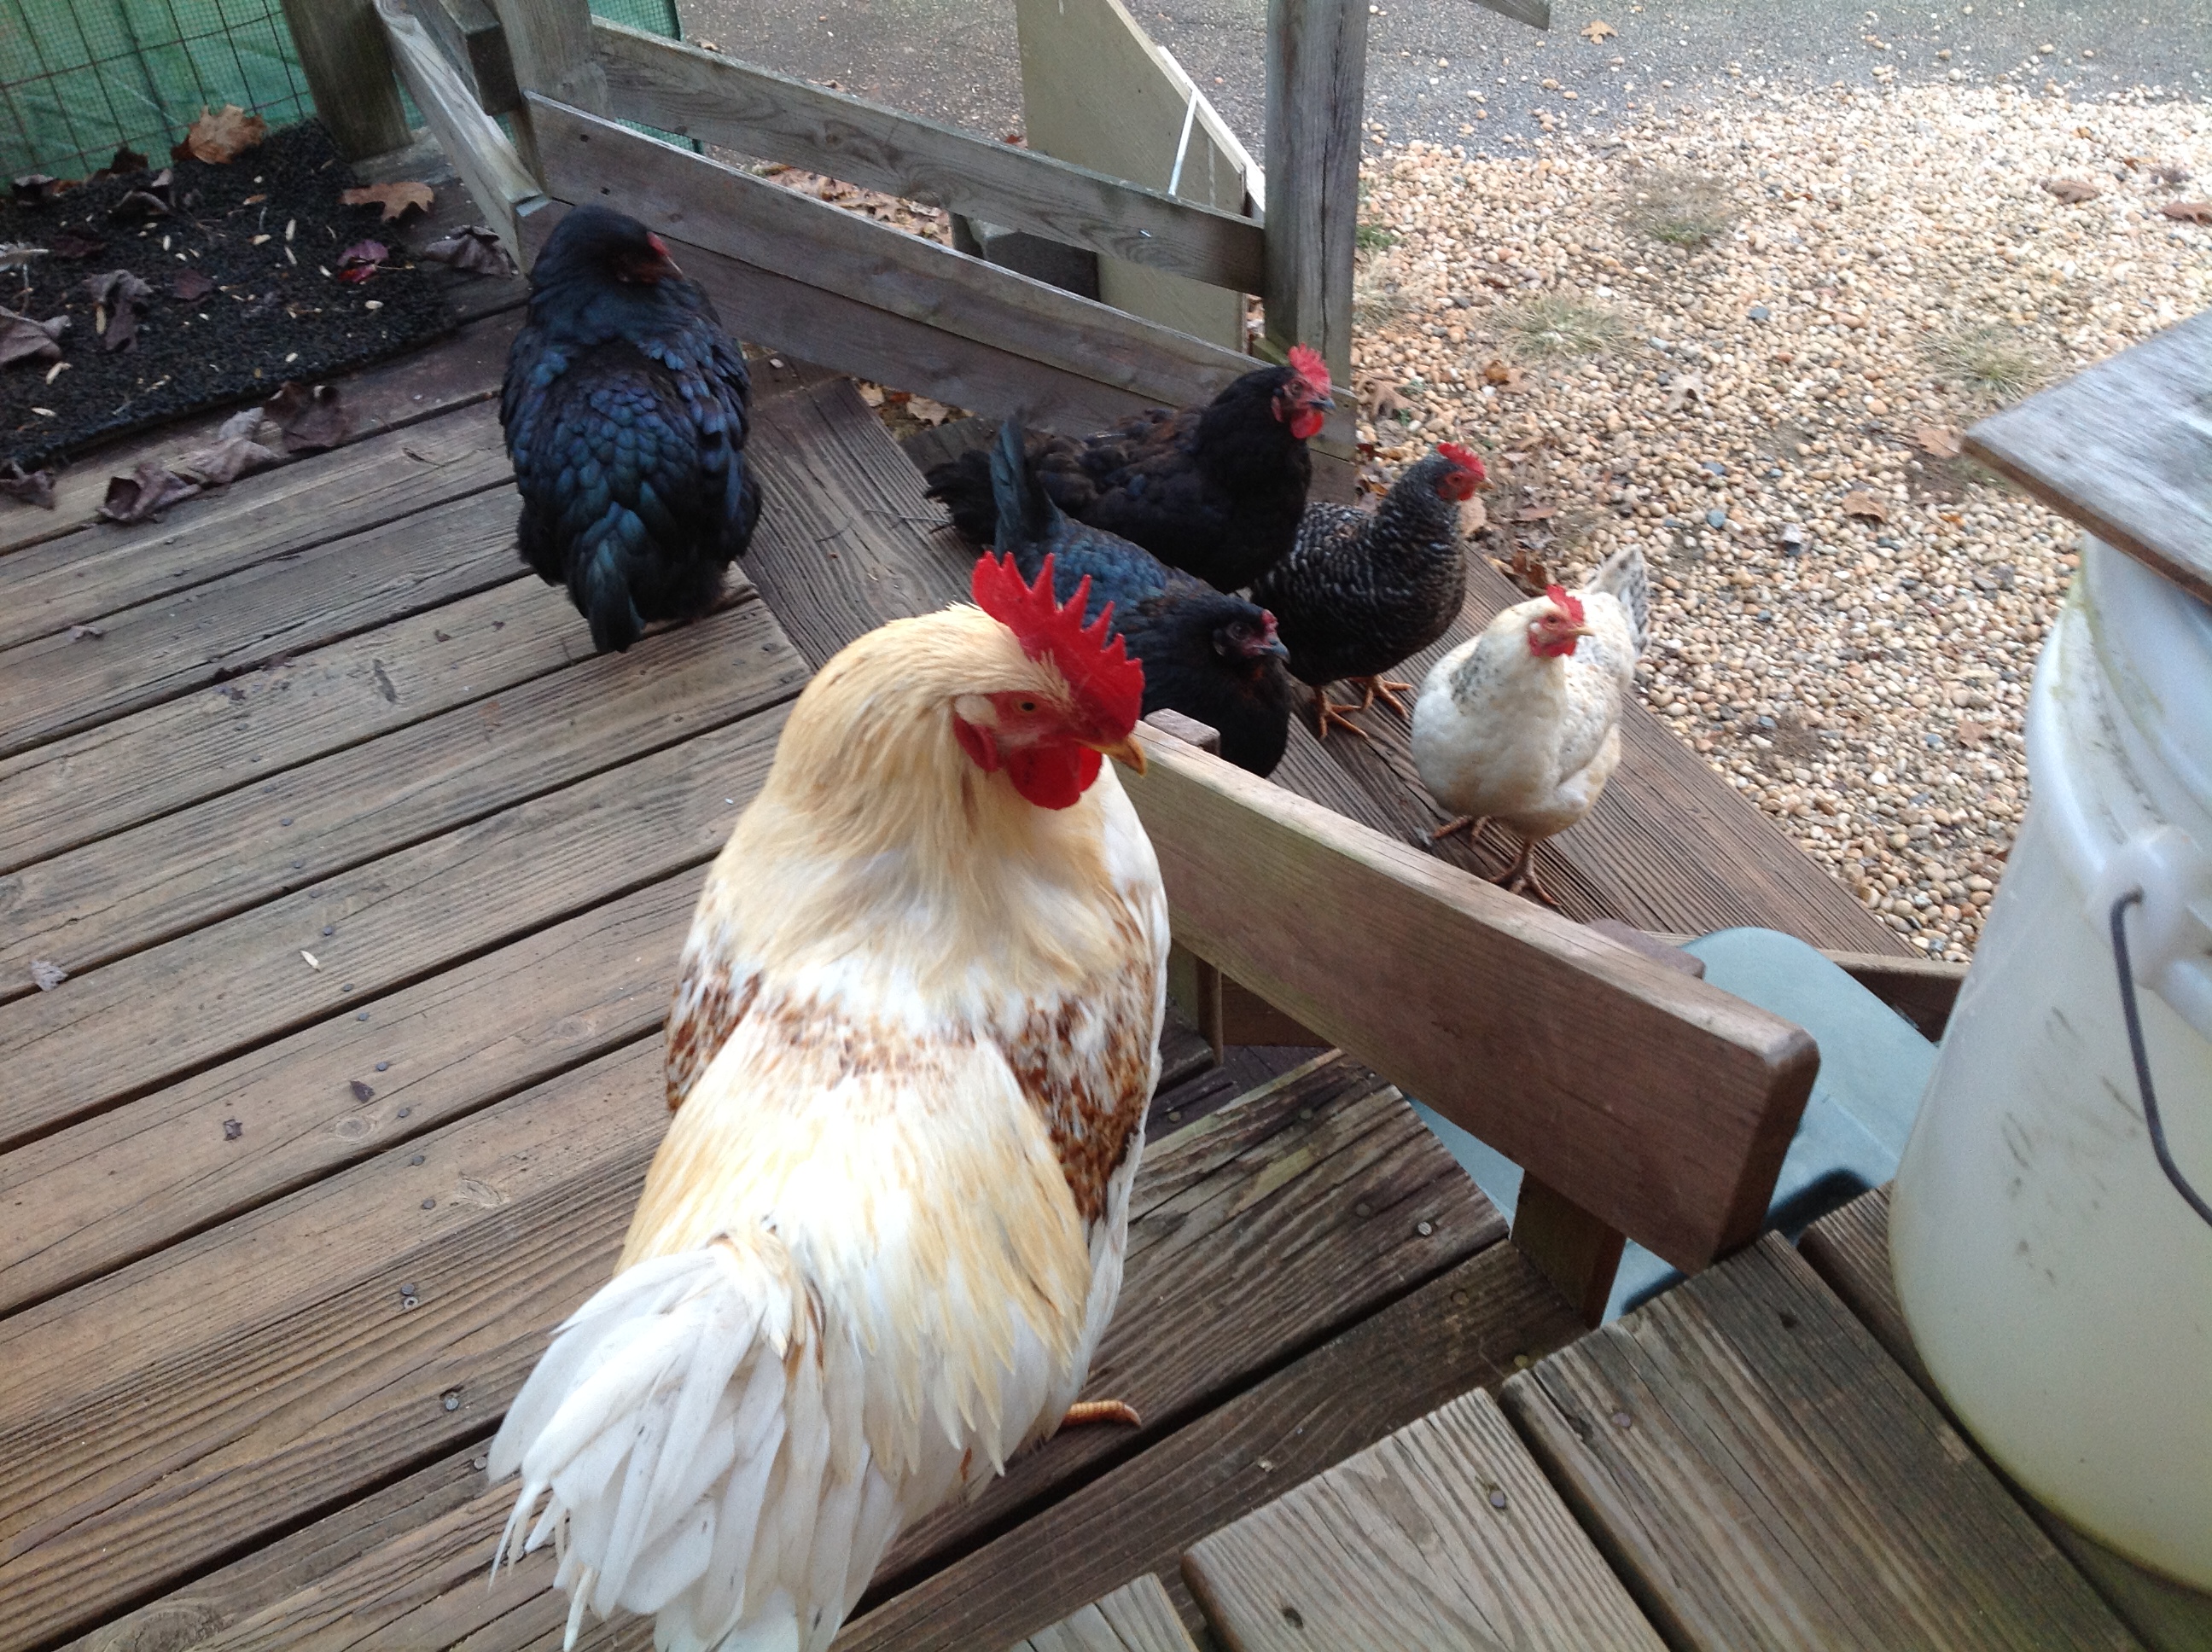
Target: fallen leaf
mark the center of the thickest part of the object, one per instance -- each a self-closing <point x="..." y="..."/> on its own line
<point x="929" y="412"/>
<point x="1495" y="372"/>
<point x="154" y="200"/>
<point x="362" y="260"/>
<point x="397" y="199"/>
<point x="310" y="957"/>
<point x="30" y="487"/>
<point x="86" y="633"/>
<point x="1971" y="734"/>
<point x="127" y="161"/>
<point x="1535" y="512"/>
<point x="1682" y="388"/>
<point x="69" y="246"/>
<point x="2170" y="172"/>
<point x="145" y="493"/>
<point x="475" y="249"/>
<point x="229" y="459"/>
<point x="870" y="394"/>
<point x="1594" y="30"/>
<point x="119" y="296"/>
<point x="2072" y="191"/>
<point x="2192" y="212"/>
<point x="222" y="135"/>
<point x="232" y="1129"/>
<point x="190" y="285"/>
<point x="33" y="188"/>
<point x="1860" y="502"/>
<point x="23" y="339"/>
<point x="1381" y="399"/>
<point x="1937" y="441"/>
<point x="310" y="419"/>
<point x="46" y="975"/>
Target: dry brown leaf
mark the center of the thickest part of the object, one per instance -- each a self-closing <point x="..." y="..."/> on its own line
<point x="2170" y="172"/>
<point x="118" y="297"/>
<point x="397" y="199"/>
<point x="190" y="286"/>
<point x="1535" y="512"/>
<point x="928" y="411"/>
<point x="2072" y="191"/>
<point x="1860" y="502"/>
<point x="1595" y="30"/>
<point x="1938" y="441"/>
<point x="222" y="135"/>
<point x="310" y="419"/>
<point x="146" y="492"/>
<point x="872" y="394"/>
<point x="29" y="487"/>
<point x="229" y="459"/>
<point x="156" y="199"/>
<point x="1971" y="734"/>
<point x="1684" y="387"/>
<point x="1381" y="399"/>
<point x="23" y="339"/>
<point x="474" y="249"/>
<point x="69" y="246"/>
<point x="2190" y="212"/>
<point x="362" y="260"/>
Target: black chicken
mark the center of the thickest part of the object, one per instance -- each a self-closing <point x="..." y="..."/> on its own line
<point x="624" y="409"/>
<point x="1215" y="490"/>
<point x="1360" y="592"/>
<point x="1206" y="654"/>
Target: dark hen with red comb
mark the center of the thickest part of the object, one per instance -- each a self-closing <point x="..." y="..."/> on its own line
<point x="1214" y="490"/>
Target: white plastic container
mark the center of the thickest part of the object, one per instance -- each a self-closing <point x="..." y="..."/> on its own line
<point x="2057" y="1280"/>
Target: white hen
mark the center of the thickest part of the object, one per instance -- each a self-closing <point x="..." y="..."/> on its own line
<point x="1522" y="724"/>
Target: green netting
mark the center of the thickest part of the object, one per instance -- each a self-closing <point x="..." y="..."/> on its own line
<point x="80" y="78"/>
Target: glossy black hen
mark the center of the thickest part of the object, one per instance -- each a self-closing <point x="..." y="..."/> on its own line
<point x="1214" y="490"/>
<point x="1362" y="592"/>
<point x="1207" y="654"/>
<point x="625" y="412"/>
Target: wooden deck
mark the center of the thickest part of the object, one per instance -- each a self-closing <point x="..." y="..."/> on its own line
<point x="370" y="880"/>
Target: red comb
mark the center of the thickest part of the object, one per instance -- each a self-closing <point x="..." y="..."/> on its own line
<point x="1464" y="457"/>
<point x="1306" y="362"/>
<point x="1095" y="662"/>
<point x="1566" y="601"/>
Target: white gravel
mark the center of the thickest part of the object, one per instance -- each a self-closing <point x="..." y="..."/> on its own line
<point x="1865" y="687"/>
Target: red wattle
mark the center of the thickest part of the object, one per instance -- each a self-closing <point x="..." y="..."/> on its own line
<point x="1053" y="776"/>
<point x="1306" y="423"/>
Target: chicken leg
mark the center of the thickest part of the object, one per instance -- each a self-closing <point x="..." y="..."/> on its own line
<point x="1101" y="1411"/>
<point x="1328" y="714"/>
<point x="1386" y="689"/>
<point x="1471" y="824"/>
<point x="1522" y="875"/>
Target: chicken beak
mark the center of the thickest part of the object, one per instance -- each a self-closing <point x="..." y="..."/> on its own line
<point x="1124" y="751"/>
<point x="1581" y="631"/>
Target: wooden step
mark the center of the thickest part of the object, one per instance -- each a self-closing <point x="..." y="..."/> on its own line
<point x="1138" y="1617"/>
<point x="1444" y="1536"/>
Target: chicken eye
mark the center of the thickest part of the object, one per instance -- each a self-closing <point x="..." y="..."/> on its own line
<point x="1027" y="707"/>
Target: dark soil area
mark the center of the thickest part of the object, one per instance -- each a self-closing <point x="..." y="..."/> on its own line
<point x="267" y="229"/>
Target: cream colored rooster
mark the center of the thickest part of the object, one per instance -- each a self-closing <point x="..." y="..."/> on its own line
<point x="915" y="1033"/>
<point x="1522" y="724"/>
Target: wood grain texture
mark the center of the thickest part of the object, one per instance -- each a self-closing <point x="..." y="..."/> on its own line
<point x="250" y="728"/>
<point x="474" y="40"/>
<point x="342" y="54"/>
<point x="56" y="685"/>
<point x="1660" y="1104"/>
<point x="1442" y="1536"/>
<point x="1317" y="69"/>
<point x="1848" y="1249"/>
<point x="2124" y="448"/>
<point x="758" y="112"/>
<point x="200" y="865"/>
<point x="102" y="1038"/>
<point x="491" y="168"/>
<point x="1138" y="1617"/>
<point x="1462" y="1330"/>
<point x="550" y="44"/>
<point x="79" y="580"/>
<point x="1576" y="1251"/>
<point x="705" y="204"/>
<point x="1761" y="1473"/>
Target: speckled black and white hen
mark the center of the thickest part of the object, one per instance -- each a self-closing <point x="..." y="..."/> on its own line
<point x="1361" y="592"/>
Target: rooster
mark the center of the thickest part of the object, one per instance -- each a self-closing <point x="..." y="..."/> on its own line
<point x="625" y="407"/>
<point x="1360" y="592"/>
<point x="1214" y="490"/>
<point x="1522" y="723"/>
<point x="914" y="1035"/>
<point x="1206" y="654"/>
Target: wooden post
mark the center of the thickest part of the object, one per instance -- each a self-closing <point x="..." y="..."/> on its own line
<point x="341" y="51"/>
<point x="549" y="44"/>
<point x="1316" y="58"/>
<point x="1573" y="1249"/>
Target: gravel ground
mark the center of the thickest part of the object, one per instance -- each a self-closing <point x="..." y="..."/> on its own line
<point x="1746" y="335"/>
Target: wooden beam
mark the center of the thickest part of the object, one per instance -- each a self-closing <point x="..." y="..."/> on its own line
<point x="1659" y="1104"/>
<point x="1575" y="1251"/>
<point x="342" y="54"/>
<point x="470" y="35"/>
<point x="960" y="312"/>
<point x="776" y="118"/>
<point x="1316" y="57"/>
<point x="551" y="44"/>
<point x="491" y="170"/>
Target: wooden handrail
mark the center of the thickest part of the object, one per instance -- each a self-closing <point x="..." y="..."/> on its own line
<point x="494" y="175"/>
<point x="1658" y="1104"/>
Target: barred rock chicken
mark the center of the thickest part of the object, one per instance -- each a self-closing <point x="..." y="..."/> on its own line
<point x="625" y="408"/>
<point x="914" y="1037"/>
<point x="1215" y="490"/>
<point x="1522" y="723"/>
<point x="1361" y="592"/>
<point x="1208" y="655"/>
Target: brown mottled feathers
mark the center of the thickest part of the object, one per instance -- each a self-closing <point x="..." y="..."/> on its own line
<point x="709" y="1006"/>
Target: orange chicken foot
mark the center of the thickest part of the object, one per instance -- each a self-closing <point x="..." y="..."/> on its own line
<point x="1471" y="824"/>
<point x="1522" y="875"/>
<point x="1101" y="1411"/>
<point x="1328" y="714"/>
<point x="1385" y="689"/>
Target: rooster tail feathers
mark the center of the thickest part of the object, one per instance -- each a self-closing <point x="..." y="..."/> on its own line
<point x="1623" y="575"/>
<point x="1027" y="515"/>
<point x="603" y="593"/>
<point x="680" y="1429"/>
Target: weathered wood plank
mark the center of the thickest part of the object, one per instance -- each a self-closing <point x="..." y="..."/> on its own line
<point x="474" y="40"/>
<point x="1463" y="1330"/>
<point x="700" y="202"/>
<point x="1442" y="1536"/>
<point x="1316" y="68"/>
<point x="56" y="685"/>
<point x="1760" y="1473"/>
<point x="207" y="863"/>
<point x="80" y="579"/>
<point x="1660" y="1104"/>
<point x="168" y="757"/>
<point x="1849" y="1249"/>
<point x="494" y="174"/>
<point x="549" y="43"/>
<point x="342" y="54"/>
<point x="1577" y="1252"/>
<point x="107" y="1037"/>
<point x="776" y="118"/>
<point x="463" y="369"/>
<point x="1136" y="1617"/>
<point x="2123" y="449"/>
